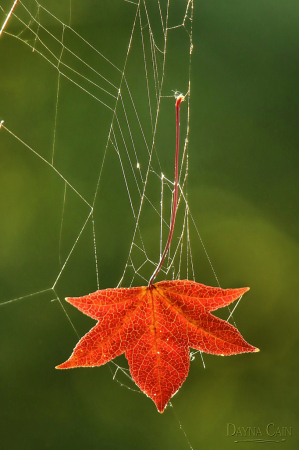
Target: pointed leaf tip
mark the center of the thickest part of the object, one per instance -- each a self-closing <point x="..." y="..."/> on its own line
<point x="65" y="365"/>
<point x="59" y="366"/>
<point x="243" y="290"/>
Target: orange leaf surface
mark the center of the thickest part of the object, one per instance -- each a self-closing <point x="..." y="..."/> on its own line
<point x="155" y="326"/>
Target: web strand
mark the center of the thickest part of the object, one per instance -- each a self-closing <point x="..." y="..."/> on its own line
<point x="132" y="134"/>
<point x="121" y="135"/>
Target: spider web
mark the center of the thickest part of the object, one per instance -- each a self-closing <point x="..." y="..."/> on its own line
<point x="108" y="145"/>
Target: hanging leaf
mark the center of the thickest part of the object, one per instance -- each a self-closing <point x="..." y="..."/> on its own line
<point x="155" y="326"/>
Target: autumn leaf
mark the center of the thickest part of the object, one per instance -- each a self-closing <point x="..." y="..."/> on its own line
<point x="154" y="326"/>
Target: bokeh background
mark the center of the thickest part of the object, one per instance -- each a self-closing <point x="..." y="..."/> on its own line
<point x="243" y="192"/>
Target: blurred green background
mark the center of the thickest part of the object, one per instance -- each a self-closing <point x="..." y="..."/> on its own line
<point x="242" y="189"/>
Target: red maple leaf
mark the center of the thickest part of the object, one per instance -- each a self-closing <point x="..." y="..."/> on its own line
<point x="155" y="326"/>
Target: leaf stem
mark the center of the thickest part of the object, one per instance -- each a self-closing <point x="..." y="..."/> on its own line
<point x="179" y="100"/>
